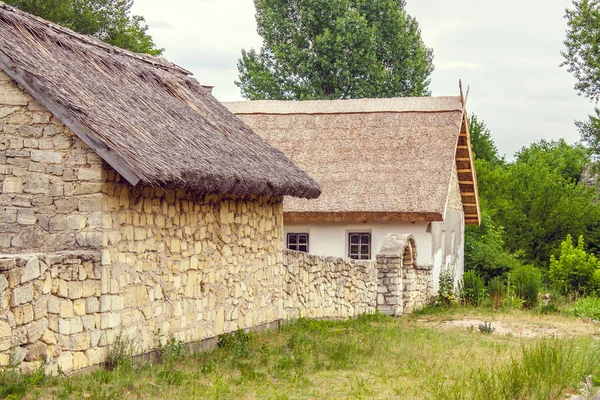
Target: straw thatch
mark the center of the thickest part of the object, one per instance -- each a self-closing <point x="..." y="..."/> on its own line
<point x="376" y="159"/>
<point x="144" y="115"/>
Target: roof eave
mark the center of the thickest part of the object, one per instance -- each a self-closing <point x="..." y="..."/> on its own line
<point x="60" y="112"/>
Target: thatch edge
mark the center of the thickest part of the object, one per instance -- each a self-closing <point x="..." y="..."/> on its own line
<point x="68" y="119"/>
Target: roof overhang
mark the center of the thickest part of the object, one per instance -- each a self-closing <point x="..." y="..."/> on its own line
<point x="465" y="168"/>
<point x="359" y="217"/>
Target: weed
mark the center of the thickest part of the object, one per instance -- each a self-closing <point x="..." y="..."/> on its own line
<point x="171" y="349"/>
<point x="486" y="328"/>
<point x="238" y="343"/>
<point x="527" y="280"/>
<point x="496" y="291"/>
<point x="587" y="307"/>
<point x="120" y="352"/>
<point x="472" y="289"/>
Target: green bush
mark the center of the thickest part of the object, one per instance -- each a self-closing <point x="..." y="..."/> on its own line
<point x="588" y="307"/>
<point x="575" y="272"/>
<point x="527" y="282"/>
<point x="496" y="291"/>
<point x="446" y="293"/>
<point x="472" y="290"/>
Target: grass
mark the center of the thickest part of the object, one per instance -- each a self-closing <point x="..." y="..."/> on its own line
<point x="371" y="357"/>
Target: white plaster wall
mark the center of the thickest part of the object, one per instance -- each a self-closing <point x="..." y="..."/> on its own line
<point x="331" y="239"/>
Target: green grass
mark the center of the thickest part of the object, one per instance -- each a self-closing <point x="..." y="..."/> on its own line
<point x="371" y="357"/>
<point x="587" y="307"/>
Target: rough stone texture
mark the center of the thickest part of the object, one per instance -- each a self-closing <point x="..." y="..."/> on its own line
<point x="48" y="177"/>
<point x="328" y="287"/>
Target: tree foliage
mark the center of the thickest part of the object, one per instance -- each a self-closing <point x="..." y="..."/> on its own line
<point x="335" y="49"/>
<point x="108" y="20"/>
<point x="582" y="59"/>
<point x="529" y="205"/>
<point x="482" y="143"/>
<point x="575" y="271"/>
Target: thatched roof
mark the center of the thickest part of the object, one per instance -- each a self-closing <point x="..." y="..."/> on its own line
<point x="148" y="118"/>
<point x="376" y="159"/>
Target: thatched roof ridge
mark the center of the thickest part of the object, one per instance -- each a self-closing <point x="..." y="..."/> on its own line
<point x="391" y="105"/>
<point x="145" y="116"/>
<point x="376" y="159"/>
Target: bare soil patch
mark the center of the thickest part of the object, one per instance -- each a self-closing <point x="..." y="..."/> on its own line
<point x="516" y="324"/>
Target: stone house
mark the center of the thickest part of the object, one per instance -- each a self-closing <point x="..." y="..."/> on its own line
<point x="131" y="200"/>
<point x="386" y="166"/>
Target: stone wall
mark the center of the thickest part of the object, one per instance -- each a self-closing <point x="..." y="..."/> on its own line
<point x="327" y="287"/>
<point x="169" y="265"/>
<point x="50" y="179"/>
<point x="51" y="313"/>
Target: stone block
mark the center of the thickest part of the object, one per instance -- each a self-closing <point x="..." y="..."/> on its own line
<point x="37" y="184"/>
<point x="58" y="223"/>
<point x="66" y="309"/>
<point x="96" y="356"/>
<point x="90" y="174"/>
<point x="65" y="362"/>
<point x="110" y="320"/>
<point x="75" y="289"/>
<point x="90" y="239"/>
<point x="90" y="204"/>
<point x="31" y="270"/>
<point x="36" y="329"/>
<point x="26" y="217"/>
<point x="79" y="307"/>
<point x="5" y="330"/>
<point x="64" y="326"/>
<point x="12" y="96"/>
<point x="80" y="341"/>
<point x="46" y="156"/>
<point x="89" y="322"/>
<point x="22" y="294"/>
<point x="76" y="222"/>
<point x="36" y="352"/>
<point x="12" y="184"/>
<point x="80" y="361"/>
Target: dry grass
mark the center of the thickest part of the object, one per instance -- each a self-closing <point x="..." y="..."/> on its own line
<point x="368" y="358"/>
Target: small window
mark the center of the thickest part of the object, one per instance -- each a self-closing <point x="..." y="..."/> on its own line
<point x="359" y="246"/>
<point x="298" y="242"/>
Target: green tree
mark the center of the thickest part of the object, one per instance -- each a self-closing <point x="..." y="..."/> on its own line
<point x="482" y="143"/>
<point x="575" y="271"/>
<point x="335" y="49"/>
<point x="108" y="20"/>
<point x="540" y="200"/>
<point x="582" y="59"/>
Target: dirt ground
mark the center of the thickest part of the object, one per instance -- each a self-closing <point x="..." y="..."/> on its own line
<point x="522" y="325"/>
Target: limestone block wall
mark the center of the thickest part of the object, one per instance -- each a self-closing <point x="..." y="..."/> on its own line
<point x="51" y="313"/>
<point x="417" y="287"/>
<point x="327" y="287"/>
<point x="50" y="180"/>
<point x="190" y="266"/>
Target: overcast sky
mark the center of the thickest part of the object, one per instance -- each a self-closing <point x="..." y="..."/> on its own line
<point x="508" y="52"/>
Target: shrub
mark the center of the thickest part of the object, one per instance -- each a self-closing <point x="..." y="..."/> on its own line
<point x="446" y="294"/>
<point x="527" y="281"/>
<point x="575" y="272"/>
<point x="587" y="307"/>
<point x="472" y="290"/>
<point x="496" y="291"/>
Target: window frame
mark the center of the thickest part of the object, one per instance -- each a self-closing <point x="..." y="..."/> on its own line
<point x="359" y="255"/>
<point x="297" y="244"/>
